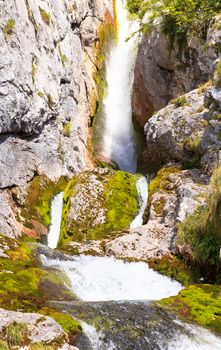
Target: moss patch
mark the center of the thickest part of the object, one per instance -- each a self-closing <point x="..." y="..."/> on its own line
<point x="161" y="181"/>
<point x="38" y="200"/>
<point x="9" y="27"/>
<point x="175" y="268"/>
<point x="199" y="303"/>
<point x="66" y="321"/>
<point x="117" y="199"/>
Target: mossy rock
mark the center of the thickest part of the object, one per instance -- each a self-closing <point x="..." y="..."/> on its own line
<point x="199" y="303"/>
<point x="175" y="268"/>
<point x="38" y="200"/>
<point x="98" y="204"/>
<point x="161" y="181"/>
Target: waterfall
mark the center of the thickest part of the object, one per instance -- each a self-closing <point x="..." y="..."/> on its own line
<point x="142" y="190"/>
<point x="104" y="278"/>
<point x="119" y="142"/>
<point x="56" y="217"/>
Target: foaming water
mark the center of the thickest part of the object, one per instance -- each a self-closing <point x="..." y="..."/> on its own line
<point x="96" y="338"/>
<point x="56" y="217"/>
<point x="104" y="278"/>
<point x="142" y="190"/>
<point x="119" y="138"/>
<point x="197" y="339"/>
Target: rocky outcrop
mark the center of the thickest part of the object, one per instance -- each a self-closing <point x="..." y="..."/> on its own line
<point x="32" y="328"/>
<point x="162" y="74"/>
<point x="47" y="90"/>
<point x="98" y="204"/>
<point x="173" y="195"/>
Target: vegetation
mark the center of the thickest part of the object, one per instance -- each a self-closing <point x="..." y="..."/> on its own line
<point x="10" y="26"/>
<point x="67" y="129"/>
<point x="161" y="181"/>
<point x="179" y="101"/>
<point x="201" y="231"/>
<point x="177" y="18"/>
<point x="16" y="333"/>
<point x="199" y="303"/>
<point x="192" y="144"/>
<point x="45" y="16"/>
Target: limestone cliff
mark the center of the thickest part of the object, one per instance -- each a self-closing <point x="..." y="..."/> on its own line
<point x="47" y="90"/>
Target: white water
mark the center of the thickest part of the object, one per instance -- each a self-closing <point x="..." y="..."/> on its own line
<point x="142" y="190"/>
<point x="201" y="339"/>
<point x="104" y="278"/>
<point x="56" y="217"/>
<point x="119" y="138"/>
<point x="96" y="338"/>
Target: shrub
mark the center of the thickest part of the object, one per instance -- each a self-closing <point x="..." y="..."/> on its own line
<point x="16" y="333"/>
<point x="201" y="231"/>
<point x="8" y="29"/>
<point x="217" y="75"/>
<point x="177" y="18"/>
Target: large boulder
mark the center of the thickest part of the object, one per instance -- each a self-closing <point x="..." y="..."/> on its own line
<point x="98" y="204"/>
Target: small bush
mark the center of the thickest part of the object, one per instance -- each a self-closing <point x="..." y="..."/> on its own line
<point x="179" y="101"/>
<point x="45" y="16"/>
<point x="201" y="231"/>
<point x="8" y="29"/>
<point x="16" y="333"/>
<point x="3" y="345"/>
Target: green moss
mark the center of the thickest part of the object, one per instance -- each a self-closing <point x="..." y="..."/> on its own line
<point x="9" y="27"/>
<point x="38" y="200"/>
<point x="67" y="322"/>
<point x="179" y="101"/>
<point x="218" y="135"/>
<point x="192" y="144"/>
<point x="118" y="198"/>
<point x="161" y="181"/>
<point x="199" y="303"/>
<point x="67" y="129"/>
<point x="45" y="16"/>
<point x="175" y="268"/>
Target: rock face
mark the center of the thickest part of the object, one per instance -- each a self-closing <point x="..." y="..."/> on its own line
<point x="173" y="195"/>
<point x="47" y="64"/>
<point x="162" y="74"/>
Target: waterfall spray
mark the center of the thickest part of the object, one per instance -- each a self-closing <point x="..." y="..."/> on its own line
<point x="56" y="217"/>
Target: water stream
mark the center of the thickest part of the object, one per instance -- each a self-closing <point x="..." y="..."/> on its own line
<point x="119" y="142"/>
<point x="56" y="217"/>
<point x="142" y="190"/>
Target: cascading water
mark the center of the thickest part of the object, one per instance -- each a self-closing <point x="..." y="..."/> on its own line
<point x="103" y="278"/>
<point x="142" y="190"/>
<point x="56" y="217"/>
<point x="119" y="143"/>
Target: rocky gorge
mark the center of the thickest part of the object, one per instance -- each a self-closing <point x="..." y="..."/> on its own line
<point x="58" y="83"/>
